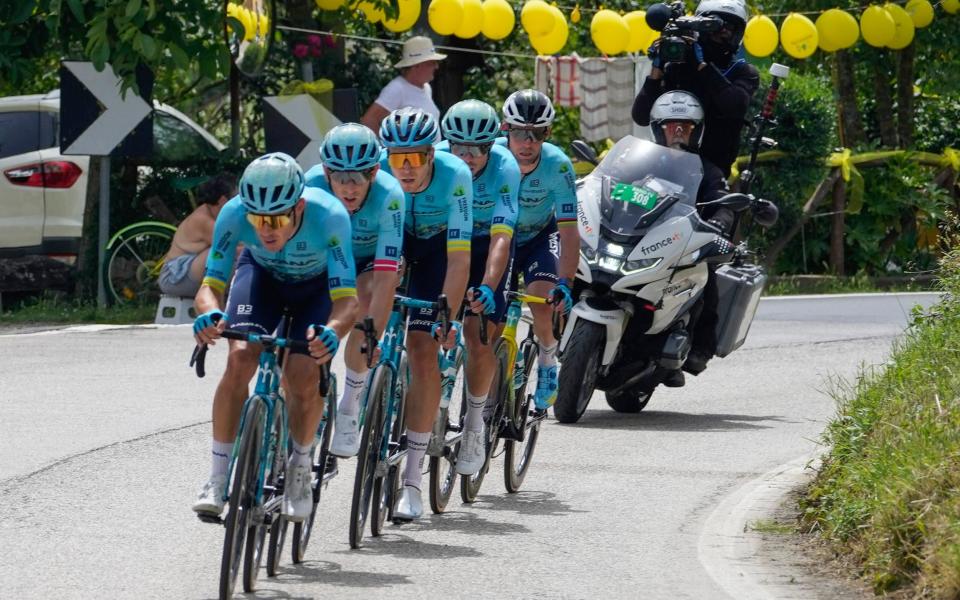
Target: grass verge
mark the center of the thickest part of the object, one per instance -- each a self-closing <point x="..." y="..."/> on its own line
<point x="55" y="309"/>
<point x="889" y="491"/>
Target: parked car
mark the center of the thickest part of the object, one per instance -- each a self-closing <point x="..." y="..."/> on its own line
<point x="43" y="193"/>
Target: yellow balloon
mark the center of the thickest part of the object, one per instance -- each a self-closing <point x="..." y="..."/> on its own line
<point x="537" y="18"/>
<point x="921" y="12"/>
<point x="837" y="30"/>
<point x="609" y="32"/>
<point x="330" y="4"/>
<point x="472" y="21"/>
<point x="798" y="36"/>
<point x="951" y="6"/>
<point x="641" y="36"/>
<point x="498" y="19"/>
<point x="407" y="15"/>
<point x="903" y="34"/>
<point x="445" y="16"/>
<point x="370" y="11"/>
<point x="761" y="36"/>
<point x="554" y="41"/>
<point x="877" y="26"/>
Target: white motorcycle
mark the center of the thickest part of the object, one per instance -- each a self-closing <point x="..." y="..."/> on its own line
<point x="643" y="266"/>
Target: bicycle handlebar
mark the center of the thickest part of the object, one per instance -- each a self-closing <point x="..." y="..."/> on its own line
<point x="484" y="338"/>
<point x="370" y="341"/>
<point x="557" y="319"/>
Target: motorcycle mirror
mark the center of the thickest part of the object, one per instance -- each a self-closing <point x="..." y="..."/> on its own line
<point x="584" y="152"/>
<point x="735" y="202"/>
<point x="765" y="213"/>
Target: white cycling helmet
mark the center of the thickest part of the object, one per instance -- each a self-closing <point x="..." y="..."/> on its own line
<point x="677" y="106"/>
<point x="528" y="108"/>
<point x="271" y="184"/>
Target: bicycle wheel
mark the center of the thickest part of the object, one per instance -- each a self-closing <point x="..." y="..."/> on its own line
<point x="257" y="532"/>
<point x="387" y="488"/>
<point x="301" y="531"/>
<point x="241" y="496"/>
<point x="517" y="454"/>
<point x="278" y="535"/>
<point x="499" y="387"/>
<point x="369" y="454"/>
<point x="132" y="262"/>
<point x="443" y="472"/>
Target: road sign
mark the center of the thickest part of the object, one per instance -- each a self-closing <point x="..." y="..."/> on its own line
<point x="296" y="125"/>
<point x="97" y="120"/>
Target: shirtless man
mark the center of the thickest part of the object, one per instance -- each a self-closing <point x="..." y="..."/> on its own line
<point x="185" y="261"/>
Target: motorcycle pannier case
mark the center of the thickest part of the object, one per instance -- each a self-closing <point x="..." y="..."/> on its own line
<point x="739" y="290"/>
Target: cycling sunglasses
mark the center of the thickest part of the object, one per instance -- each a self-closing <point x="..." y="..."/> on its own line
<point x="416" y="159"/>
<point x="471" y="150"/>
<point x="354" y="177"/>
<point x="534" y="134"/>
<point x="271" y="221"/>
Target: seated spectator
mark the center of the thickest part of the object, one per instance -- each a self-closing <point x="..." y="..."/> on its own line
<point x="184" y="264"/>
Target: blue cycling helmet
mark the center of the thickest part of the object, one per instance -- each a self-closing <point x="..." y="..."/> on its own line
<point x="350" y="147"/>
<point x="271" y="184"/>
<point x="471" y="122"/>
<point x="408" y="128"/>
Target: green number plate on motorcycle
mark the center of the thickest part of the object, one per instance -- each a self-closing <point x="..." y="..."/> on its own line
<point x="642" y="197"/>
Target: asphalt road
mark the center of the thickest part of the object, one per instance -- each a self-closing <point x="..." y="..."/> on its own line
<point x="104" y="439"/>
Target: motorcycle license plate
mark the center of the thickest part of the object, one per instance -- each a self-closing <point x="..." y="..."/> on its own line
<point x="641" y="196"/>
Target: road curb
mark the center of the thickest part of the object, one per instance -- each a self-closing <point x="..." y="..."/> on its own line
<point x="730" y="550"/>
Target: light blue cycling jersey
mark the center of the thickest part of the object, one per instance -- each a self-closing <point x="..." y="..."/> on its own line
<point x="378" y="225"/>
<point x="445" y="204"/>
<point x="495" y="193"/>
<point x="547" y="192"/>
<point x="316" y="248"/>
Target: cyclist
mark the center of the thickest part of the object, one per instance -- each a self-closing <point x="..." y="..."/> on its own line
<point x="470" y="128"/>
<point x="548" y="211"/>
<point x="350" y="170"/>
<point x="293" y="257"/>
<point x="436" y="245"/>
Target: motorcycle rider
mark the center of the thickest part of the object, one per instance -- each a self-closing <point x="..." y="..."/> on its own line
<point x="714" y="72"/>
<point x="677" y="122"/>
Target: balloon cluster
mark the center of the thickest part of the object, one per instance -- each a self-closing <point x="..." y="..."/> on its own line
<point x="888" y="26"/>
<point x="254" y="24"/>
<point x="612" y="33"/>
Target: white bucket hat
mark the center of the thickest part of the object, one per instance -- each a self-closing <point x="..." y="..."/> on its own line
<point x="416" y="50"/>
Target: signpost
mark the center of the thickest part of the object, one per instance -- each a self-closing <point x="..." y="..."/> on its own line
<point x="296" y="125"/>
<point x="97" y="119"/>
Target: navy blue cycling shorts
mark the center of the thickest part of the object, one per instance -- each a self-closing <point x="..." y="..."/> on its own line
<point x="479" y="251"/>
<point x="426" y="260"/>
<point x="538" y="259"/>
<point x="257" y="299"/>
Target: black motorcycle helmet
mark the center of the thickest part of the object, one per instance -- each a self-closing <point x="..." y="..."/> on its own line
<point x="720" y="49"/>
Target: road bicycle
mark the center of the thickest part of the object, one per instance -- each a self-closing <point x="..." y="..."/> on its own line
<point x="383" y="443"/>
<point x="132" y="261"/>
<point x="258" y="463"/>
<point x="513" y="419"/>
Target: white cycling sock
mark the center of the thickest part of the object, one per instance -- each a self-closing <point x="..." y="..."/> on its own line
<point x="474" y="419"/>
<point x="352" y="389"/>
<point x="416" y="449"/>
<point x="548" y="356"/>
<point x="300" y="456"/>
<point x="221" y="458"/>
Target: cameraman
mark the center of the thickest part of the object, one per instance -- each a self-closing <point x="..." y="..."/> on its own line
<point x="712" y="71"/>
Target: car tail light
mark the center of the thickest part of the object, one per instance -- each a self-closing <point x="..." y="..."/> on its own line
<point x="51" y="174"/>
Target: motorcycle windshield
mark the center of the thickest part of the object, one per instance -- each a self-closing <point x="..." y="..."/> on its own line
<point x="639" y="177"/>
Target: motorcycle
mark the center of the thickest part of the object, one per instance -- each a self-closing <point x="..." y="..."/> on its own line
<point x="643" y="267"/>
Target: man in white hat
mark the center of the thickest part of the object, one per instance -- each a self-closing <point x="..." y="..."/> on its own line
<point x="410" y="88"/>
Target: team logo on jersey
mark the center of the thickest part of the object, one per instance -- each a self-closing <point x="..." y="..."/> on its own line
<point x="505" y="189"/>
<point x="362" y="222"/>
<point x="564" y="168"/>
<point x="334" y="282"/>
<point x="301" y="246"/>
<point x="567" y="208"/>
<point x="224" y="241"/>
<point x="535" y="182"/>
<point x="459" y="191"/>
<point x="481" y="188"/>
<point x="334" y="241"/>
<point x="455" y="233"/>
<point x="391" y="251"/>
<point x="217" y="255"/>
<point x="498" y="219"/>
<point x="394" y="205"/>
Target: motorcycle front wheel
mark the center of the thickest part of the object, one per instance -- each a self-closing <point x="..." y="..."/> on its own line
<point x="578" y="375"/>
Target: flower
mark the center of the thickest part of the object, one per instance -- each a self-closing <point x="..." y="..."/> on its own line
<point x="314" y="40"/>
<point x="300" y="50"/>
<point x="315" y="51"/>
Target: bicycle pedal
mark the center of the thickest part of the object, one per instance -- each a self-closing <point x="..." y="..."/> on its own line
<point x="208" y="518"/>
<point x="509" y="432"/>
<point x="538" y="414"/>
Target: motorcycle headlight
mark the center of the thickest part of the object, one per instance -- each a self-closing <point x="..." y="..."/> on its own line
<point x="609" y="264"/>
<point x="635" y="266"/>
